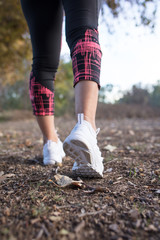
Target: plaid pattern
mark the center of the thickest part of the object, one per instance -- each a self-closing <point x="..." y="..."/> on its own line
<point x="42" y="99"/>
<point x="86" y="58"/>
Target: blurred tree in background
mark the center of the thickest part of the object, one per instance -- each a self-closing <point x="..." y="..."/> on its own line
<point x="146" y="10"/>
<point x="142" y="96"/>
<point x="15" y="43"/>
<point x="64" y="92"/>
<point x="102" y="96"/>
<point x="137" y="95"/>
<point x="155" y="95"/>
<point x="15" y="95"/>
<point x="15" y="47"/>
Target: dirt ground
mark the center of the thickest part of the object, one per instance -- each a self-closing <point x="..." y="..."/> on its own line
<point x="125" y="204"/>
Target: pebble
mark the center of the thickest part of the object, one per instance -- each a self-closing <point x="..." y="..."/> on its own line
<point x="134" y="214"/>
<point x="114" y="227"/>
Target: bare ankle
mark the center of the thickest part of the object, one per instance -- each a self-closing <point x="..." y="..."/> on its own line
<point x="91" y="121"/>
<point x="54" y="139"/>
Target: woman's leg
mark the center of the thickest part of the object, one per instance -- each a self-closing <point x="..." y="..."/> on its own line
<point x="44" y="20"/>
<point x="86" y="96"/>
<point x="82" y="38"/>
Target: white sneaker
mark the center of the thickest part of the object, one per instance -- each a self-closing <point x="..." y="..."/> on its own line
<point x="81" y="145"/>
<point x="53" y="152"/>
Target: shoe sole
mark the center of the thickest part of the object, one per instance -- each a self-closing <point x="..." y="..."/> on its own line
<point x="79" y="151"/>
<point x="53" y="163"/>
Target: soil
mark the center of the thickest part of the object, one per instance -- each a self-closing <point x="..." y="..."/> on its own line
<point x="33" y="207"/>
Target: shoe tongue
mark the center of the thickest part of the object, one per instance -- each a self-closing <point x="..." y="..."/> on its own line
<point x="81" y="120"/>
<point x="51" y="143"/>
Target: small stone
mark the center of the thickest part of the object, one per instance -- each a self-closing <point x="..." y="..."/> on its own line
<point x="28" y="143"/>
<point x="3" y="219"/>
<point x="7" y="211"/>
<point x="108" y="138"/>
<point x="1" y="173"/>
<point x="142" y="174"/>
<point x="157" y="172"/>
<point x="109" y="148"/>
<point x="131" y="132"/>
<point x="136" y="169"/>
<point x="114" y="227"/>
<point x="109" y="170"/>
<point x="138" y="223"/>
<point x="1" y="134"/>
<point x="55" y="218"/>
<point x="155" y="199"/>
<point x="83" y="210"/>
<point x="110" y="182"/>
<point x="153" y="180"/>
<point x="131" y="198"/>
<point x="134" y="214"/>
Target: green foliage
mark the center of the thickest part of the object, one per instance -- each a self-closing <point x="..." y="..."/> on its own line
<point x="143" y="6"/>
<point x="155" y="95"/>
<point x="137" y="95"/>
<point x="103" y="91"/>
<point x="15" y="96"/>
<point x="142" y="96"/>
<point x="64" y="91"/>
<point x="15" y="45"/>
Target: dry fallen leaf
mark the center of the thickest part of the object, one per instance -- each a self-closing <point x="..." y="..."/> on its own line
<point x="1" y="173"/>
<point x="55" y="218"/>
<point x="63" y="232"/>
<point x="1" y="134"/>
<point x="64" y="181"/>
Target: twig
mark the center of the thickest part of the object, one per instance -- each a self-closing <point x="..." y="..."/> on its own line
<point x="89" y="213"/>
<point x="45" y="230"/>
<point x="39" y="234"/>
<point x="92" y="213"/>
<point x="56" y="171"/>
<point x="50" y="180"/>
<point x="132" y="184"/>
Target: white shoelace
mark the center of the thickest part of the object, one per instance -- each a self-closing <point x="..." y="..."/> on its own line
<point x="97" y="131"/>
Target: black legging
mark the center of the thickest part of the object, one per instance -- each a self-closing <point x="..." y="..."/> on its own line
<point x="44" y="19"/>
